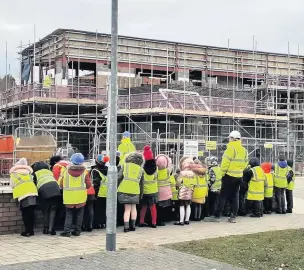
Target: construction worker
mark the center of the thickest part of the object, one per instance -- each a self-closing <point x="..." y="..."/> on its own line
<point x="74" y="182"/>
<point x="49" y="195"/>
<point x="234" y="162"/>
<point x="280" y="183"/>
<point x="257" y="182"/>
<point x="214" y="180"/>
<point x="100" y="181"/>
<point x="269" y="189"/>
<point x="24" y="189"/>
<point x="290" y="187"/>
<point x="47" y="82"/>
<point x="126" y="147"/>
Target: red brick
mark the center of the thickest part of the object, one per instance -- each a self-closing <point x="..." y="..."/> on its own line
<point x="15" y="218"/>
<point x="13" y="209"/>
<point x="13" y="200"/>
<point x="4" y="200"/>
<point x="1" y="204"/>
<point x="9" y="223"/>
<point x="10" y="204"/>
<point x="4" y="219"/>
<point x="4" y="209"/>
<point x="3" y="229"/>
<point x="10" y="214"/>
<point x="19" y="222"/>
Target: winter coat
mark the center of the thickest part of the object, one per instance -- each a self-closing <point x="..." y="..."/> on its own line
<point x="59" y="167"/>
<point x="186" y="182"/>
<point x="150" y="169"/>
<point x="200" y="192"/>
<point x="126" y="198"/>
<point x="29" y="199"/>
<point x="48" y="190"/>
<point x="75" y="171"/>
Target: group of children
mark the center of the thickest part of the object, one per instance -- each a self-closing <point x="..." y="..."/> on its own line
<point x="75" y="196"/>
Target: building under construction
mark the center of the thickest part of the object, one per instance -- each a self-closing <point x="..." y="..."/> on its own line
<point x="169" y="92"/>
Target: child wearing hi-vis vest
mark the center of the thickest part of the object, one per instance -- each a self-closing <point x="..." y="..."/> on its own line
<point x="130" y="188"/>
<point x="99" y="177"/>
<point x="24" y="189"/>
<point x="257" y="182"/>
<point x="269" y="189"/>
<point x="150" y="190"/>
<point x="200" y="190"/>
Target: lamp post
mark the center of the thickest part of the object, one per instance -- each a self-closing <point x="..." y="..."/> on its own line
<point x="112" y="118"/>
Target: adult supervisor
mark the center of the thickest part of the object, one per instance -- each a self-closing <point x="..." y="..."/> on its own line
<point x="234" y="162"/>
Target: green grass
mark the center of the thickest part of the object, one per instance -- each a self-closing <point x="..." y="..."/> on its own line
<point x="260" y="251"/>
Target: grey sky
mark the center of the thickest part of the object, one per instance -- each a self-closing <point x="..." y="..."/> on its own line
<point x="273" y="22"/>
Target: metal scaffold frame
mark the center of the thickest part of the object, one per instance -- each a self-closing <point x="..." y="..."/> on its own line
<point x="275" y="83"/>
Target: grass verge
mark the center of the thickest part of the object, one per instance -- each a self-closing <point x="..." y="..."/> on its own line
<point x="260" y="251"/>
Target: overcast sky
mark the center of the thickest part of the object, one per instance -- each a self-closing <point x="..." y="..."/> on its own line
<point x="273" y="22"/>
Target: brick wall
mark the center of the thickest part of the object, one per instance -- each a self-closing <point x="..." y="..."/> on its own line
<point x="10" y="215"/>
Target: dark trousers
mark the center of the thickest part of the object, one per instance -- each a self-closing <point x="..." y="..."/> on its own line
<point x="289" y="199"/>
<point x="60" y="214"/>
<point x="256" y="206"/>
<point x="242" y="203"/>
<point x="88" y="215"/>
<point x="49" y="209"/>
<point x="100" y="212"/>
<point x="213" y="198"/>
<point x="162" y="214"/>
<point x="267" y="205"/>
<point x="28" y="217"/>
<point x="280" y="199"/>
<point x="229" y="192"/>
<point x="73" y="214"/>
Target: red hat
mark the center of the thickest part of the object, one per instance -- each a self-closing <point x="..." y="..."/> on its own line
<point x="148" y="155"/>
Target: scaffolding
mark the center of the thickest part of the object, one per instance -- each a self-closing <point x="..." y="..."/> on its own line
<point x="176" y="91"/>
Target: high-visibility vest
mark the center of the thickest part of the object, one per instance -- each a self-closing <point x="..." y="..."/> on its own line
<point x="291" y="184"/>
<point x="74" y="189"/>
<point x="163" y="178"/>
<point x="173" y="188"/>
<point x="257" y="185"/>
<point x="280" y="176"/>
<point x="47" y="81"/>
<point x="269" y="188"/>
<point x="150" y="184"/>
<point x="131" y="177"/>
<point x="200" y="188"/>
<point x="23" y="185"/>
<point x="103" y="188"/>
<point x="236" y="158"/>
<point x="44" y="176"/>
<point x="218" y="178"/>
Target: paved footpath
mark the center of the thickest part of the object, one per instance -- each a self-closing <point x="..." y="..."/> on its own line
<point x="15" y="249"/>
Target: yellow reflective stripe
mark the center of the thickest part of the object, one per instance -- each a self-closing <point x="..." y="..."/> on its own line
<point x="43" y="180"/>
<point x="67" y="182"/>
<point x="137" y="180"/>
<point x="227" y="157"/>
<point x="21" y="181"/>
<point x="255" y="192"/>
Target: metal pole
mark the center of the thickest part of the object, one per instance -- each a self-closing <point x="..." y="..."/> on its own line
<point x="34" y="54"/>
<point x="6" y="86"/>
<point x="288" y="104"/>
<point x="112" y="117"/>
